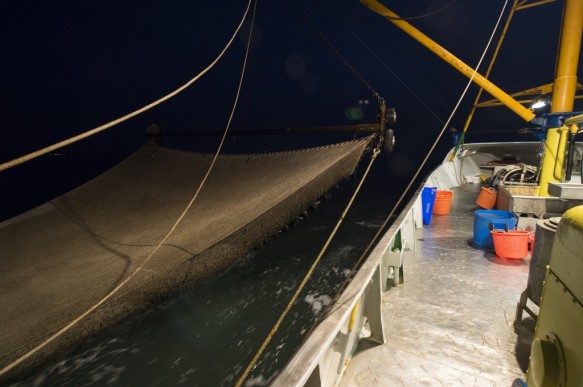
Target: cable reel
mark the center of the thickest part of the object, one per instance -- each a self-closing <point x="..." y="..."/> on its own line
<point x="515" y="174"/>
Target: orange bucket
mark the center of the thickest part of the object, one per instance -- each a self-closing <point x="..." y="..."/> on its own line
<point x="442" y="202"/>
<point x="511" y="244"/>
<point x="531" y="242"/>
<point x="487" y="198"/>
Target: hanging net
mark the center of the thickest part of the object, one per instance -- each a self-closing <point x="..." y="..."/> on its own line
<point x="60" y="259"/>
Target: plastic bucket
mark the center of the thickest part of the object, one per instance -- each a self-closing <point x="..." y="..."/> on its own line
<point x="442" y="202"/>
<point x="511" y="244"/>
<point x="487" y="198"/>
<point x="485" y="221"/>
<point x="427" y="200"/>
<point x="531" y="242"/>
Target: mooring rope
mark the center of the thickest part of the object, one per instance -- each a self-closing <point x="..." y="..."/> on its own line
<point x="414" y="178"/>
<point x="308" y="275"/>
<point x="89" y="133"/>
<point x="172" y="229"/>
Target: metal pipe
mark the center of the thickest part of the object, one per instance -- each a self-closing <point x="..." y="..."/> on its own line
<point x="463" y="68"/>
<point x="560" y="158"/>
<point x="574" y="123"/>
<point x="525" y="6"/>
<point x="571" y="156"/>
<point x="360" y="128"/>
<point x="565" y="84"/>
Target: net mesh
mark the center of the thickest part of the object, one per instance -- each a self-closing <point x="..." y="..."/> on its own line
<point x="64" y="256"/>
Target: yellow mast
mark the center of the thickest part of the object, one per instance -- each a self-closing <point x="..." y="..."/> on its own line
<point x="563" y="93"/>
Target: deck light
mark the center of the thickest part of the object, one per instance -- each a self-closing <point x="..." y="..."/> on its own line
<point x="541" y="101"/>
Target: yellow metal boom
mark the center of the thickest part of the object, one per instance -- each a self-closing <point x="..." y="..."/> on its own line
<point x="459" y="65"/>
<point x="564" y="86"/>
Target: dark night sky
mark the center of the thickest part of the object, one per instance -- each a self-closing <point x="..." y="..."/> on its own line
<point x="69" y="66"/>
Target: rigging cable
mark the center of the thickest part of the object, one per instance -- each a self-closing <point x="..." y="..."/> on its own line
<point x="374" y="240"/>
<point x="43" y="151"/>
<point x="195" y="57"/>
<point x="391" y="71"/>
<point x="376" y="151"/>
<point x="335" y="51"/>
<point x="308" y="275"/>
<point x="431" y="13"/>
<point x="173" y="228"/>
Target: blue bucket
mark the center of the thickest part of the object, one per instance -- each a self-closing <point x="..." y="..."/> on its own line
<point x="487" y="220"/>
<point x="427" y="200"/>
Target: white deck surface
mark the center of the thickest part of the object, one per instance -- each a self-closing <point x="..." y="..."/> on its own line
<point x="451" y="322"/>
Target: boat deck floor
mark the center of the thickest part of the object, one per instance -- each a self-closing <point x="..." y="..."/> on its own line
<point x="452" y="320"/>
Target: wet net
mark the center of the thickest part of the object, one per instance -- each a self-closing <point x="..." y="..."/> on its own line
<point x="58" y="260"/>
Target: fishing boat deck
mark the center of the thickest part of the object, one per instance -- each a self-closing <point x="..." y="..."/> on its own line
<point x="451" y="321"/>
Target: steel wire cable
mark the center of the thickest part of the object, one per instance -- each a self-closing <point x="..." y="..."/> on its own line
<point x="308" y="275"/>
<point x="381" y="229"/>
<point x="172" y="229"/>
<point x="430" y="13"/>
<point x="335" y="51"/>
<point x="386" y="66"/>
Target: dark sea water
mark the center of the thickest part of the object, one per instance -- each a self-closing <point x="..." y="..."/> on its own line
<point x="207" y="334"/>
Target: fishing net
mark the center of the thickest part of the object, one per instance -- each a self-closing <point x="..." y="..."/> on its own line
<point x="58" y="260"/>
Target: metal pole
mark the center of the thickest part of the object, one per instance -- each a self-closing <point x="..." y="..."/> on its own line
<point x="353" y="129"/>
<point x="463" y="68"/>
<point x="563" y="91"/>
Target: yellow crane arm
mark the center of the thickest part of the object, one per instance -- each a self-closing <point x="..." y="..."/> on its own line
<point x="459" y="65"/>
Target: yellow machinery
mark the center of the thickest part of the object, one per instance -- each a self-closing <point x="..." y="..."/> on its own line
<point x="557" y="350"/>
<point x="563" y="92"/>
<point x="563" y="88"/>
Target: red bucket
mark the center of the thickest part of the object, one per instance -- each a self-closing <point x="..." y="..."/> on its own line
<point x="511" y="244"/>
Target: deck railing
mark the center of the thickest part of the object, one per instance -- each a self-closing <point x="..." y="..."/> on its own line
<point x="324" y="356"/>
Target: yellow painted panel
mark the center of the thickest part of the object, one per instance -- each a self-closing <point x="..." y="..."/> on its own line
<point x="561" y="318"/>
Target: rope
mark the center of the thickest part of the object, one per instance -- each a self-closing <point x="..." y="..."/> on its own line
<point x="424" y="15"/>
<point x="51" y="148"/>
<point x="294" y="298"/>
<point x="335" y="51"/>
<point x="180" y="218"/>
<point x="387" y="219"/>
